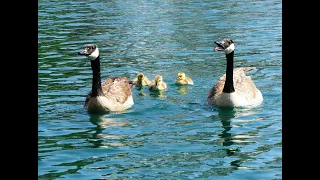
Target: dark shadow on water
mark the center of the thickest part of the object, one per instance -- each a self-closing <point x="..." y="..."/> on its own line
<point x="139" y="87"/>
<point x="141" y="90"/>
<point x="157" y="94"/>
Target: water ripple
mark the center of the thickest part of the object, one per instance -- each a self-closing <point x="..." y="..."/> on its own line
<point x="167" y="135"/>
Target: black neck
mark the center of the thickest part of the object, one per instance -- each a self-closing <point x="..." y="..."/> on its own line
<point x="228" y="85"/>
<point x="96" y="78"/>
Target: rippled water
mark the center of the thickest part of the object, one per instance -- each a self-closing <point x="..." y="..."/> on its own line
<point x="172" y="135"/>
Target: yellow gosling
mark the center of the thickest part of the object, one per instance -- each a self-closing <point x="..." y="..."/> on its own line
<point x="141" y="80"/>
<point x="158" y="84"/>
<point x="183" y="79"/>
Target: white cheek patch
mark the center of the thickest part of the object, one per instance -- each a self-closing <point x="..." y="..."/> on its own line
<point x="94" y="54"/>
<point x="229" y="49"/>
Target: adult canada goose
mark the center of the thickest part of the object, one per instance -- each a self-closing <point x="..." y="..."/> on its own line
<point x="141" y="80"/>
<point x="234" y="88"/>
<point x="113" y="94"/>
<point x="158" y="84"/>
<point x="183" y="79"/>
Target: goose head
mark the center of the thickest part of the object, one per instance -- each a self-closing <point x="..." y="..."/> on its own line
<point x="91" y="51"/>
<point x="225" y="45"/>
<point x="181" y="76"/>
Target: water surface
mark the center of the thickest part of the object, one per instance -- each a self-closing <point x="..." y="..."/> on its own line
<point x="174" y="134"/>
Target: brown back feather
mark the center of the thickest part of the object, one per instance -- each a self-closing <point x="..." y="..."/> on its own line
<point x="242" y="83"/>
<point x="118" y="88"/>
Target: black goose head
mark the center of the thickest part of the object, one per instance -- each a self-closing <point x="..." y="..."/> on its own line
<point x="91" y="51"/>
<point x="225" y="45"/>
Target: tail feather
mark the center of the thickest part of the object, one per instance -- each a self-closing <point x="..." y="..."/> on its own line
<point x="246" y="69"/>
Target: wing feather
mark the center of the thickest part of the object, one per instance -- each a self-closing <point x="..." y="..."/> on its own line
<point x="242" y="84"/>
<point x="117" y="88"/>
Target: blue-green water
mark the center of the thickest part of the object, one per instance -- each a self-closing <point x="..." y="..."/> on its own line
<point x="172" y="135"/>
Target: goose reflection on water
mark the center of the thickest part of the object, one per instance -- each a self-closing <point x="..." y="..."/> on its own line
<point x="102" y="139"/>
<point x="227" y="116"/>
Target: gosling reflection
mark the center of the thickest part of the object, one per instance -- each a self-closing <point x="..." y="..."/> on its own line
<point x="104" y="139"/>
<point x="141" y="90"/>
<point x="183" y="89"/>
<point x="158" y="94"/>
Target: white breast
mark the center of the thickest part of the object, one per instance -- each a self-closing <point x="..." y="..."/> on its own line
<point x="103" y="103"/>
<point x="236" y="100"/>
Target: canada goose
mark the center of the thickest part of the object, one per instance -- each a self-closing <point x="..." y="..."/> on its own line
<point x="113" y="94"/>
<point x="158" y="84"/>
<point x="141" y="80"/>
<point x="234" y="88"/>
<point x="183" y="79"/>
